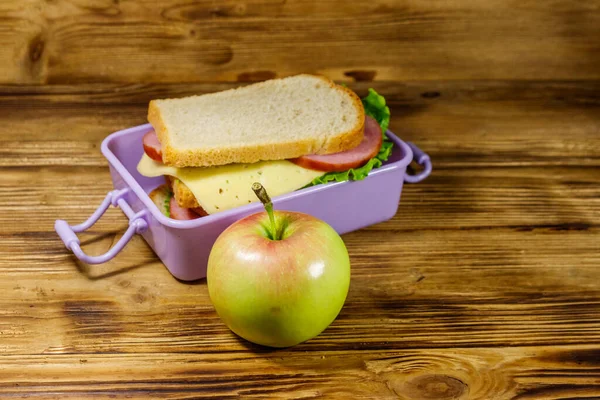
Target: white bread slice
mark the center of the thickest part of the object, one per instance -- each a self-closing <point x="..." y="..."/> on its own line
<point x="161" y="196"/>
<point x="272" y="120"/>
<point x="183" y="195"/>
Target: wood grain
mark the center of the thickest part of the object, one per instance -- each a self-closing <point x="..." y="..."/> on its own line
<point x="466" y="124"/>
<point x="485" y="285"/>
<point x="504" y="373"/>
<point x="76" y="41"/>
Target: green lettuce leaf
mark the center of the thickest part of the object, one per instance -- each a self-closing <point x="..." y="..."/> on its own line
<point x="167" y="204"/>
<point x="375" y="107"/>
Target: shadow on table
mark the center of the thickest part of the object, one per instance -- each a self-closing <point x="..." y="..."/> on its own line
<point x="122" y="263"/>
<point x="257" y="348"/>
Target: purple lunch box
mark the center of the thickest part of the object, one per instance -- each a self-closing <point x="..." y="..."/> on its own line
<point x="184" y="246"/>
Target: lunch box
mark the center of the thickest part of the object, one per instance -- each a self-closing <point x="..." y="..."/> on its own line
<point x="184" y="246"/>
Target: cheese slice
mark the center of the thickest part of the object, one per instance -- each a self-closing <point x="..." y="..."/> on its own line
<point x="228" y="186"/>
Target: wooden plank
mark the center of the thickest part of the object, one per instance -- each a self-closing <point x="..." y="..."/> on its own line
<point x="502" y="373"/>
<point x="172" y="41"/>
<point x="534" y="198"/>
<point x="422" y="289"/>
<point x="461" y="124"/>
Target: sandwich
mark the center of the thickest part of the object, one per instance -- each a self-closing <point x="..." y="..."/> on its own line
<point x="287" y="134"/>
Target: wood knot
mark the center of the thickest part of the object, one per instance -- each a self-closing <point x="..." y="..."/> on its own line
<point x="439" y="387"/>
<point x="430" y="95"/>
<point x="142" y="295"/>
<point x="256" y="76"/>
<point x="36" y="48"/>
<point x="361" y="76"/>
<point x="236" y="10"/>
<point x="218" y="55"/>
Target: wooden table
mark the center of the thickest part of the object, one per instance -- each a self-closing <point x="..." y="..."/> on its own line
<point x="485" y="285"/>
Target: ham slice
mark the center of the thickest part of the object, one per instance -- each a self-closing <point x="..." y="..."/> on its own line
<point x="152" y="146"/>
<point x="358" y="156"/>
<point x="182" y="214"/>
<point x="200" y="211"/>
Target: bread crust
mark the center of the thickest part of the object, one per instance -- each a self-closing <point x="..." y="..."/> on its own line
<point x="249" y="154"/>
<point x="183" y="195"/>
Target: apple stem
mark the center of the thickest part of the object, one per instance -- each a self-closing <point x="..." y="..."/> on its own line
<point x="264" y="198"/>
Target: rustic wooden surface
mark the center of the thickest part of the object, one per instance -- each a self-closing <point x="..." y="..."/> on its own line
<point x="82" y="41"/>
<point x="485" y="285"/>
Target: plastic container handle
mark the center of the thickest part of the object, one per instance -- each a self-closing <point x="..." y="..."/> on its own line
<point x="421" y="158"/>
<point x="137" y="224"/>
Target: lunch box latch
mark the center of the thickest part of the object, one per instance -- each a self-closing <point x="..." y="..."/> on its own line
<point x="421" y="158"/>
<point x="116" y="198"/>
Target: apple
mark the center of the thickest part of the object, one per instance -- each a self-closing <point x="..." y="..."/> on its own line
<point x="278" y="278"/>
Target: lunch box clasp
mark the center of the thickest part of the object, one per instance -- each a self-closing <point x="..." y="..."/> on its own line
<point x="137" y="224"/>
<point x="421" y="158"/>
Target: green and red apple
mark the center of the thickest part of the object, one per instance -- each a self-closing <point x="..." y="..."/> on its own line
<point x="278" y="278"/>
